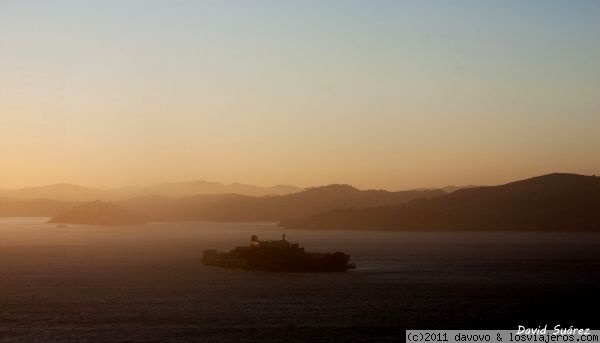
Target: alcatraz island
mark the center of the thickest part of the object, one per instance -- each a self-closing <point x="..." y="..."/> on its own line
<point x="277" y="256"/>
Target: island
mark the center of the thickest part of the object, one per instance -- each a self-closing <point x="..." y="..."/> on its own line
<point x="99" y="213"/>
<point x="277" y="256"/>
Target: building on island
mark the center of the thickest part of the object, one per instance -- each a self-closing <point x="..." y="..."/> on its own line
<point x="282" y="243"/>
<point x="279" y="255"/>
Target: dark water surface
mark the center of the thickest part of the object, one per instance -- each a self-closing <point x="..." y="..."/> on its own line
<point x="146" y="284"/>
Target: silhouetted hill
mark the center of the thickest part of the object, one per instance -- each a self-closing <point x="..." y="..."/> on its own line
<point x="450" y="189"/>
<point x="99" y="213"/>
<point x="184" y="189"/>
<point x="70" y="192"/>
<point x="199" y="207"/>
<point x="233" y="207"/>
<point x="554" y="202"/>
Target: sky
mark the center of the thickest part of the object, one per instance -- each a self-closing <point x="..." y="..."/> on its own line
<point x="377" y="94"/>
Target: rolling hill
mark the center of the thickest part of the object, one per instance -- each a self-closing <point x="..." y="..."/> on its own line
<point x="192" y="188"/>
<point x="553" y="202"/>
<point x="75" y="193"/>
<point x="233" y="207"/>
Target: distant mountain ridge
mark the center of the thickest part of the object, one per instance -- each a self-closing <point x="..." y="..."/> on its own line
<point x="70" y="192"/>
<point x="234" y="207"/>
<point x="553" y="202"/>
<point x="183" y="189"/>
<point x="450" y="189"/>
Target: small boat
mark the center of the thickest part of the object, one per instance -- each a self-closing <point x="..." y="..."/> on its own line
<point x="61" y="226"/>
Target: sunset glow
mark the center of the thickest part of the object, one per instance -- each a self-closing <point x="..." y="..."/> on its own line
<point x="394" y="96"/>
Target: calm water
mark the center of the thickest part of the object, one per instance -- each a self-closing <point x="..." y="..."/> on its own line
<point x="105" y="284"/>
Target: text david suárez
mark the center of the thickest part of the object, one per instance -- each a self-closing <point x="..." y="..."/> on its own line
<point x="557" y="331"/>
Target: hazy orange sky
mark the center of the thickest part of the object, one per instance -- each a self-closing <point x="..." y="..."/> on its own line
<point x="378" y="94"/>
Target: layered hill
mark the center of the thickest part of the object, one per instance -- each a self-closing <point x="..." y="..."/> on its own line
<point x="233" y="207"/>
<point x="99" y="213"/>
<point x="554" y="202"/>
<point x="72" y="193"/>
<point x="226" y="207"/>
<point x="192" y="188"/>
